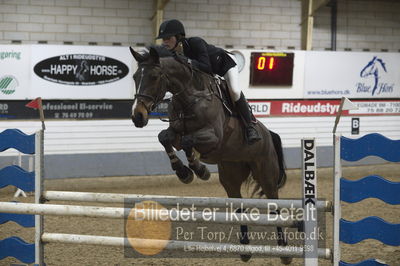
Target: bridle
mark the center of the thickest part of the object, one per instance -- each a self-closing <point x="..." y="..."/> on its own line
<point x="165" y="83"/>
<point x="164" y="80"/>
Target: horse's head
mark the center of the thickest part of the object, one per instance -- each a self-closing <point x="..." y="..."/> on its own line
<point x="151" y="85"/>
<point x="372" y="68"/>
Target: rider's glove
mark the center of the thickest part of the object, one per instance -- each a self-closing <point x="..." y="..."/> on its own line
<point x="181" y="58"/>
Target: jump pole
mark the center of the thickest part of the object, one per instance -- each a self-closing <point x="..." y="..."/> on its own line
<point x="147" y="214"/>
<point x="39" y="185"/>
<point x="324" y="206"/>
<point x="272" y="251"/>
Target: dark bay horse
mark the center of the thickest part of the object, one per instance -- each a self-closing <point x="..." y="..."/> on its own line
<point x="199" y="124"/>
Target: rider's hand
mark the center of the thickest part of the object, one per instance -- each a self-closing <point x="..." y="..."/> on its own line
<point x="181" y="58"/>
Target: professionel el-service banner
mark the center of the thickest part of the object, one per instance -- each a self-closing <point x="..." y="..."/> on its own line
<point x="84" y="72"/>
<point x="352" y="74"/>
<point x="14" y="71"/>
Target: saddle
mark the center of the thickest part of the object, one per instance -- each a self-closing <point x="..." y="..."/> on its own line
<point x="222" y="91"/>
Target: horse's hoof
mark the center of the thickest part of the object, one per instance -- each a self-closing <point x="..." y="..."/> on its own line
<point x="203" y="173"/>
<point x="286" y="260"/>
<point x="185" y="175"/>
<point x="245" y="258"/>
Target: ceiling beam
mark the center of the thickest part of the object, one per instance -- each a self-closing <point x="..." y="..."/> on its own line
<point x="308" y="9"/>
<point x="316" y="4"/>
<point x="307" y="22"/>
<point x="158" y="17"/>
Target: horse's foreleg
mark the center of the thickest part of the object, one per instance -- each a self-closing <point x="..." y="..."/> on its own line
<point x="166" y="138"/>
<point x="200" y="169"/>
<point x="244" y="235"/>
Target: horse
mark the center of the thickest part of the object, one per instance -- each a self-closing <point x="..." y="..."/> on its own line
<point x="202" y="126"/>
<point x="372" y="69"/>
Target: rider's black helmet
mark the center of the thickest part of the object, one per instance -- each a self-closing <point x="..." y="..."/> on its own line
<point x="170" y="28"/>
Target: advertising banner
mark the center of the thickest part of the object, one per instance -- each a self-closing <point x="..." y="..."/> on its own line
<point x="75" y="109"/>
<point x="14" y="71"/>
<point x="270" y="108"/>
<point x="121" y="109"/>
<point x="81" y="72"/>
<point x="352" y="74"/>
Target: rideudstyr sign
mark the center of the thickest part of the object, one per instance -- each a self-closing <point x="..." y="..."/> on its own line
<point x="267" y="108"/>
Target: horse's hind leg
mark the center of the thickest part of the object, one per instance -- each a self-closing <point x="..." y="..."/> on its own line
<point x="166" y="138"/>
<point x="201" y="171"/>
<point x="231" y="176"/>
<point x="266" y="174"/>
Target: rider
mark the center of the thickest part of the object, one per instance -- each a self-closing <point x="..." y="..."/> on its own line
<point x="213" y="60"/>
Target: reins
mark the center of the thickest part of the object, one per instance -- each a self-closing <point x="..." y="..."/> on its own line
<point x="156" y="100"/>
<point x="181" y="115"/>
<point x="165" y="84"/>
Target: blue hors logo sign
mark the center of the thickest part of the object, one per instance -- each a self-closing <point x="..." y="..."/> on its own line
<point x="81" y="69"/>
<point x="374" y="73"/>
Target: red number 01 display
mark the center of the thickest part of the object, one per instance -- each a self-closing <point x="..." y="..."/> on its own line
<point x="262" y="60"/>
<point x="271" y="68"/>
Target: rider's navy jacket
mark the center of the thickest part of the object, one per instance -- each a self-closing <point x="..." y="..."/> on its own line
<point x="207" y="57"/>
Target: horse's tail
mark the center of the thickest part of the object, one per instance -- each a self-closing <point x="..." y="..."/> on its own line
<point x="257" y="190"/>
<point x="276" y="139"/>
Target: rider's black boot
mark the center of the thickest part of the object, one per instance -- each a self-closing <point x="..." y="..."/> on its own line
<point x="249" y="120"/>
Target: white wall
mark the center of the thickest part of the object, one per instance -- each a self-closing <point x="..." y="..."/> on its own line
<point x="266" y="24"/>
<point x="362" y="25"/>
<point x="115" y="136"/>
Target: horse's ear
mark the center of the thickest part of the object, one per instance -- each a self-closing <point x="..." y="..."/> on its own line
<point x="154" y="55"/>
<point x="139" y="58"/>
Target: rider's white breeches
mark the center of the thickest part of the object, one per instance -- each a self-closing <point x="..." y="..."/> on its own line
<point x="232" y="77"/>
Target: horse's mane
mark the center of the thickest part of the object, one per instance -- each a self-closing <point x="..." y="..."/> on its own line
<point x="161" y="50"/>
<point x="200" y="78"/>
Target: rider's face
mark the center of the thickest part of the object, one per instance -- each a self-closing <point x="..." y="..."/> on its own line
<point x="169" y="42"/>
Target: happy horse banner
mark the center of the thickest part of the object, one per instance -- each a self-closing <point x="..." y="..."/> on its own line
<point x="352" y="75"/>
<point x="81" y="72"/>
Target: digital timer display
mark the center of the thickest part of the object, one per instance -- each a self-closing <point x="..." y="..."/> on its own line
<point x="271" y="68"/>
